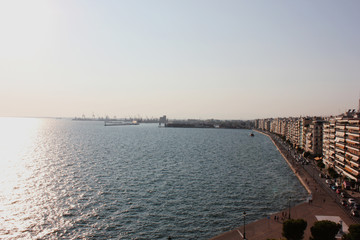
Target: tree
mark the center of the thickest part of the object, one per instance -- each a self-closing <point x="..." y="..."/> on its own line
<point x="320" y="164"/>
<point x="324" y="230"/>
<point x="333" y="173"/>
<point x="354" y="232"/>
<point x="293" y="229"/>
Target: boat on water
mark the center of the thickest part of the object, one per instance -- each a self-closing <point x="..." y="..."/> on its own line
<point x="120" y="123"/>
<point x="252" y="135"/>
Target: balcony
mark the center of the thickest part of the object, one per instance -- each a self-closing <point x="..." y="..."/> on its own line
<point x="340" y="157"/>
<point x="351" y="171"/>
<point x="349" y="175"/>
<point x="353" y="147"/>
<point x="339" y="164"/>
<point x="354" y="121"/>
<point x="341" y="154"/>
<point x="340" y="169"/>
<point x="354" y="127"/>
<point x="340" y="134"/>
<point x="355" y="134"/>
<point x="351" y="140"/>
<point x="340" y="151"/>
<point x="354" y="164"/>
<point x="353" y="156"/>
<point x="355" y="153"/>
<point x="340" y="127"/>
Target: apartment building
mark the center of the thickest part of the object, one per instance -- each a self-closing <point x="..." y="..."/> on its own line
<point x="304" y="124"/>
<point x="341" y="140"/>
<point x="263" y="124"/>
<point x="337" y="139"/>
<point x="329" y="142"/>
<point x="314" y="137"/>
<point x="293" y="130"/>
<point x="279" y="126"/>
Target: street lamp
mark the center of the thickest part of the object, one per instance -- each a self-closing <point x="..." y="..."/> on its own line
<point x="244" y="214"/>
<point x="341" y="228"/>
<point x="289" y="207"/>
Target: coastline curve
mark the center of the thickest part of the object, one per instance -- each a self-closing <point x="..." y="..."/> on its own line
<point x="288" y="162"/>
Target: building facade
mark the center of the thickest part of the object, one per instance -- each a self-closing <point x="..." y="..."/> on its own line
<point x="341" y="148"/>
<point x="314" y="137"/>
<point x="336" y="139"/>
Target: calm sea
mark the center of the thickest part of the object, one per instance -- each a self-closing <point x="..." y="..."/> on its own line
<point x="69" y="179"/>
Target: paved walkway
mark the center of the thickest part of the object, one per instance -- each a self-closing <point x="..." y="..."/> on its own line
<point x="322" y="207"/>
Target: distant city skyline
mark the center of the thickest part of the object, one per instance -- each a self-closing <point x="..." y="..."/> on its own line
<point x="184" y="59"/>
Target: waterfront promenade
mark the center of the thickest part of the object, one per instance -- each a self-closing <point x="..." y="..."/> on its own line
<point x="323" y="206"/>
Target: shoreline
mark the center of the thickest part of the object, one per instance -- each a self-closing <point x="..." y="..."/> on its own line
<point x="322" y="205"/>
<point x="288" y="162"/>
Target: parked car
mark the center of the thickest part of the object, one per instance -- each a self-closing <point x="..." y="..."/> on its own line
<point x="354" y="212"/>
<point x="333" y="187"/>
<point x="356" y="206"/>
<point x="343" y="202"/>
<point x="351" y="201"/>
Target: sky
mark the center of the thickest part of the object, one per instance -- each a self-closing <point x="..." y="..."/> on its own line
<point x="229" y="59"/>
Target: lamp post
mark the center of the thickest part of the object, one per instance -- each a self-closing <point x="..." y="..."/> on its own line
<point x="341" y="228"/>
<point x="289" y="207"/>
<point x="244" y="214"/>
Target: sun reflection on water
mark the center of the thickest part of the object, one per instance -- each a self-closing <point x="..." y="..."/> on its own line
<point x="17" y="139"/>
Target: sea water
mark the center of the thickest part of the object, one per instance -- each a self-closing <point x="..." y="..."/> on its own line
<point x="76" y="179"/>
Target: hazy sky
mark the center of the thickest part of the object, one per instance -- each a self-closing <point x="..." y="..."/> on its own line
<point x="186" y="58"/>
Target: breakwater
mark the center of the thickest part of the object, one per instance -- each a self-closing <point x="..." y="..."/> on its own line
<point x="228" y="124"/>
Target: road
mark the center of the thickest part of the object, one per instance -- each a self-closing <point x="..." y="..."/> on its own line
<point x="297" y="160"/>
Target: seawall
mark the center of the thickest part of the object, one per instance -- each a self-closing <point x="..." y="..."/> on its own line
<point x="289" y="163"/>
